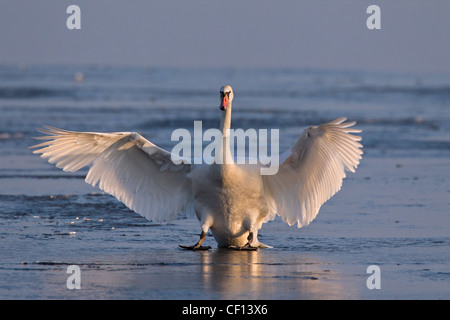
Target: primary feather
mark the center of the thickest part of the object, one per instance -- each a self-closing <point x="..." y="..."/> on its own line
<point x="126" y="165"/>
<point x="312" y="171"/>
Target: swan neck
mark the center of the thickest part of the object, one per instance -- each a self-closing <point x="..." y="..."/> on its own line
<point x="225" y="121"/>
<point x="223" y="156"/>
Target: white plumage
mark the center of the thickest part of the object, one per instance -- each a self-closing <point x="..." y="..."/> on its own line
<point x="231" y="200"/>
<point x="311" y="172"/>
<point x="126" y="165"/>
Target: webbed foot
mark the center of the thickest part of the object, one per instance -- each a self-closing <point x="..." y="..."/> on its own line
<point x="195" y="247"/>
<point x="198" y="245"/>
<point x="246" y="247"/>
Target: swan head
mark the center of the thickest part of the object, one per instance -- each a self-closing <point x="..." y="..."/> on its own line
<point x="226" y="96"/>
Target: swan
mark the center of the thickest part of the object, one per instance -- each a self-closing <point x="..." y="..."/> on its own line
<point x="231" y="200"/>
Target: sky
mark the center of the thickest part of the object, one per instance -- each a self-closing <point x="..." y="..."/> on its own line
<point x="315" y="34"/>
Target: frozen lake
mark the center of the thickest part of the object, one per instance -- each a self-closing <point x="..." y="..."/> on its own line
<point x="393" y="213"/>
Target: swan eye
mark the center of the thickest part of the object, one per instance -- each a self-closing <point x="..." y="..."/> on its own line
<point x="222" y="94"/>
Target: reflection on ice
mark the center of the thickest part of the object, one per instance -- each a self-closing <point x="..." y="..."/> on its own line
<point x="263" y="275"/>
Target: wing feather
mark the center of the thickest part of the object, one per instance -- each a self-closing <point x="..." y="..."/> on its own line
<point x="125" y="165"/>
<point x="312" y="171"/>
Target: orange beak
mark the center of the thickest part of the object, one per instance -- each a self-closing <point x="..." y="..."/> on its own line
<point x="224" y="103"/>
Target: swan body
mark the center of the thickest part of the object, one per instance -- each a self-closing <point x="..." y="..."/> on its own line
<point x="232" y="200"/>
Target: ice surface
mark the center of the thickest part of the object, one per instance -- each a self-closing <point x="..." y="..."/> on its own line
<point x="394" y="212"/>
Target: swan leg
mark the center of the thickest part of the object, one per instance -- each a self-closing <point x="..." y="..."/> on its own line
<point x="198" y="245"/>
<point x="248" y="246"/>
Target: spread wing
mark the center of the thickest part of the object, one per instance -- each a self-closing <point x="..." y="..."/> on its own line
<point x="311" y="172"/>
<point x="126" y="165"/>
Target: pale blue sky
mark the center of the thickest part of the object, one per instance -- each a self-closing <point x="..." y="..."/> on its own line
<point x="321" y="34"/>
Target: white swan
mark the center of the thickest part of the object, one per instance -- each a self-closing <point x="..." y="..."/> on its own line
<point x="233" y="201"/>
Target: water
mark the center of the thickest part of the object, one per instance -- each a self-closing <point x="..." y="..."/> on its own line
<point x="394" y="212"/>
